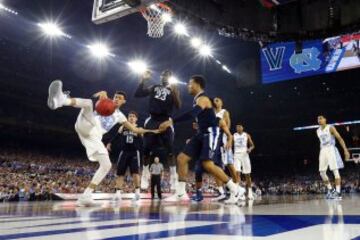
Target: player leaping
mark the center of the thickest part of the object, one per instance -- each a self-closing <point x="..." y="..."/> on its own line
<point x="90" y="128"/>
<point x="163" y="98"/>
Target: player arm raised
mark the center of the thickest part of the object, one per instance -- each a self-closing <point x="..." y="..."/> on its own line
<point x="226" y="130"/>
<point x="227" y="119"/>
<point x="142" y="91"/>
<point x="201" y="103"/>
<point x="251" y="144"/>
<point x="176" y="94"/>
<point x="341" y="141"/>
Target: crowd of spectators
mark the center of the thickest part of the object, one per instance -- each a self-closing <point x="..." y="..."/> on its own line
<point x="34" y="176"/>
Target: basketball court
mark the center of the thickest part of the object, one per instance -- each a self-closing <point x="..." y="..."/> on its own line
<point x="275" y="217"/>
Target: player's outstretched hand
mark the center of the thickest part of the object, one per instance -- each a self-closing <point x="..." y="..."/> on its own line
<point x="347" y="154"/>
<point x="165" y="125"/>
<point x="101" y="95"/>
<point x="146" y="76"/>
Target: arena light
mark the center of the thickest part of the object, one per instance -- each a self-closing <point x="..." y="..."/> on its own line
<point x="226" y="69"/>
<point x="173" y="80"/>
<point x="3" y="7"/>
<point x="52" y="29"/>
<point x="99" y="50"/>
<point x="205" y="51"/>
<point x="196" y="42"/>
<point x="180" y="29"/>
<point x="138" y="66"/>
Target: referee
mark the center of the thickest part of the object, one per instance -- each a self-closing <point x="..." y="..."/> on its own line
<point x="156" y="170"/>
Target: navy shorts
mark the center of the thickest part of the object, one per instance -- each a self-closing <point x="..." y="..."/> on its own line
<point x="128" y="159"/>
<point x="204" y="146"/>
<point x="155" y="141"/>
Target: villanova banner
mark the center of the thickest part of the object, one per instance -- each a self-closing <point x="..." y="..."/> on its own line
<point x="280" y="61"/>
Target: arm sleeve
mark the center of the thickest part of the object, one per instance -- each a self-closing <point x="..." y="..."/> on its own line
<point x="141" y="91"/>
<point x="188" y="115"/>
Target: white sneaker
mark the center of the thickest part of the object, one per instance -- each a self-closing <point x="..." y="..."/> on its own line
<point x="116" y="197"/>
<point x="177" y="198"/>
<point x="221" y="197"/>
<point x="57" y="97"/>
<point x="173" y="182"/>
<point x="234" y="196"/>
<point x="85" y="200"/>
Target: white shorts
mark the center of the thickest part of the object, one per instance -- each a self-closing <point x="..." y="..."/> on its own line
<point x="227" y="156"/>
<point x="242" y="162"/>
<point x="330" y="158"/>
<point x="90" y="136"/>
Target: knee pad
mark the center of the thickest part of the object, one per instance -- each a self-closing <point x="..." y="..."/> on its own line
<point x="336" y="174"/>
<point x="323" y="175"/>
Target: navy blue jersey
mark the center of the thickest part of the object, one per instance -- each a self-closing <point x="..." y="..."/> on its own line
<point x="130" y="141"/>
<point x="161" y="100"/>
<point x="206" y="118"/>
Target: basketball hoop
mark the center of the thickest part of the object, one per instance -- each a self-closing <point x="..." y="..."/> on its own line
<point x="155" y="17"/>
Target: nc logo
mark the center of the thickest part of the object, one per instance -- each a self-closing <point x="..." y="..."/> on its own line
<point x="274" y="57"/>
<point x="306" y="61"/>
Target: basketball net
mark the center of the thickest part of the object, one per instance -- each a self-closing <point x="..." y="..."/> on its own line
<point x="154" y="15"/>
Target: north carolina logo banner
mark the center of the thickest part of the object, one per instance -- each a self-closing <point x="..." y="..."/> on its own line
<point x="281" y="61"/>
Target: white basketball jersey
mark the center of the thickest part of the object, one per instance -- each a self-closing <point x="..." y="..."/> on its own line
<point x="325" y="137"/>
<point x="107" y="123"/>
<point x="241" y="142"/>
<point x="221" y="114"/>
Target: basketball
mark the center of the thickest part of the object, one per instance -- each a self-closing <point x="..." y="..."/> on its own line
<point x="105" y="107"/>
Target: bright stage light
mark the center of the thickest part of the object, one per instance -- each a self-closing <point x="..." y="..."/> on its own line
<point x="180" y="29"/>
<point x="52" y="30"/>
<point x="3" y="7"/>
<point x="205" y="51"/>
<point x="173" y="80"/>
<point x="166" y="17"/>
<point x="196" y="42"/>
<point x="138" y="66"/>
<point x="99" y="50"/>
<point x="226" y="68"/>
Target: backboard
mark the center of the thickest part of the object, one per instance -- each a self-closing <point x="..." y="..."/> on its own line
<point x="108" y="10"/>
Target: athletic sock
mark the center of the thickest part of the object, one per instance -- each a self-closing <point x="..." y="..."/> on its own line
<point x="232" y="186"/>
<point x="88" y="191"/>
<point x="118" y="192"/>
<point x="221" y="190"/>
<point x="181" y="188"/>
<point x="338" y="188"/>
<point x="329" y="186"/>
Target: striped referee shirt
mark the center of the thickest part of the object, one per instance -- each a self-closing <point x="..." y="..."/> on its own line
<point x="156" y="168"/>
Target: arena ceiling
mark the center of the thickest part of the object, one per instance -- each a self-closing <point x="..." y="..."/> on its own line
<point x="263" y="20"/>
